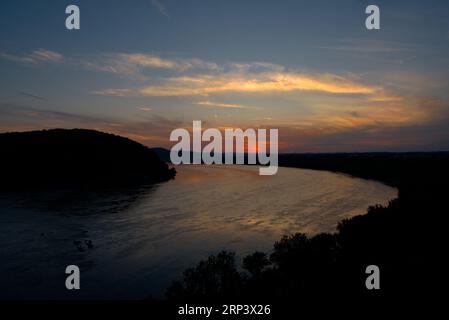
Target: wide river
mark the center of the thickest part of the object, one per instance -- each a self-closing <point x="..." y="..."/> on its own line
<point x="133" y="243"/>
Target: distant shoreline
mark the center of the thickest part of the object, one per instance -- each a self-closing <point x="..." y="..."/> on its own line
<point x="385" y="167"/>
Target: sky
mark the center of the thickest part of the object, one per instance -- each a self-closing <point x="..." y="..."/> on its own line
<point x="311" y="69"/>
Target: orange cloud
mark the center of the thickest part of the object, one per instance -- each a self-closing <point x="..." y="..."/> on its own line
<point x="256" y="83"/>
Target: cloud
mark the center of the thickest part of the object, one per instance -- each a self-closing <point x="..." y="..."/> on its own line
<point x="114" y="92"/>
<point x="47" y="55"/>
<point x="368" y="46"/>
<point x="159" y="6"/>
<point x="256" y="83"/>
<point x="146" y="60"/>
<point x="202" y="78"/>
<point x="134" y="65"/>
<point x="30" y="95"/>
<point x="152" y="61"/>
<point x="334" y="102"/>
<point x="37" y="57"/>
<point x="210" y="104"/>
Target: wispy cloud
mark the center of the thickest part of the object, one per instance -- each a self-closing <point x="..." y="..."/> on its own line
<point x="37" y="57"/>
<point x="160" y="7"/>
<point x="30" y="95"/>
<point x="368" y="46"/>
<point x="131" y="65"/>
<point x="153" y="61"/>
<point x="211" y="104"/>
<point x="114" y="92"/>
<point x="32" y="118"/>
<point x="146" y="60"/>
<point x="134" y="65"/>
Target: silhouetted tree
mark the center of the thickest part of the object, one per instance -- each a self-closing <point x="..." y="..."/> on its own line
<point x="213" y="279"/>
<point x="255" y="263"/>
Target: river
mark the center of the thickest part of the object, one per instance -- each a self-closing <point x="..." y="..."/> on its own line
<point x="132" y="243"/>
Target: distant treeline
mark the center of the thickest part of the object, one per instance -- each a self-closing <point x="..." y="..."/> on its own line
<point x="422" y="174"/>
<point x="390" y="168"/>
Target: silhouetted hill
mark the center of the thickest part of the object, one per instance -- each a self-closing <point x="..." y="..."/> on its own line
<point x="76" y="157"/>
<point x="163" y="154"/>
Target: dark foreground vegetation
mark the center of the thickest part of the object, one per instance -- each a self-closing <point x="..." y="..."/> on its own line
<point x="78" y="157"/>
<point x="407" y="240"/>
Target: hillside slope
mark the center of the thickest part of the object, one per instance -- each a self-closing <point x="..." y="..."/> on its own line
<point x="76" y="157"/>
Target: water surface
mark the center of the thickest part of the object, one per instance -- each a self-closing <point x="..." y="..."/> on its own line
<point x="133" y="243"/>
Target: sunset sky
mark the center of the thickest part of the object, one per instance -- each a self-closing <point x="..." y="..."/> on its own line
<point x="143" y="68"/>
